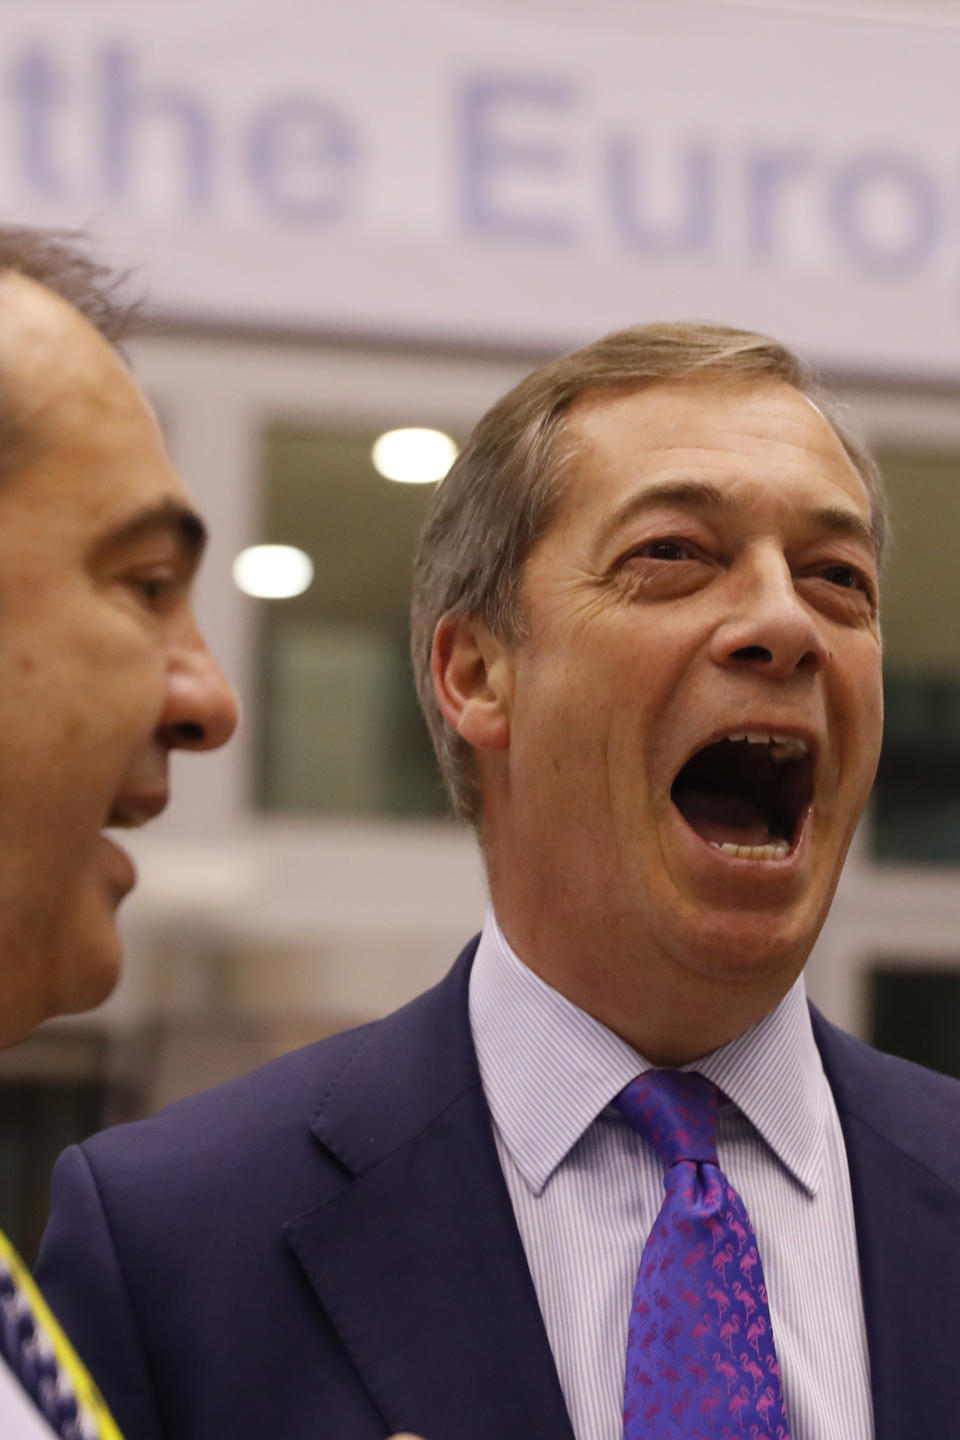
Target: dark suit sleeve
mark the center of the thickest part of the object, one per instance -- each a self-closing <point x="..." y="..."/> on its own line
<point x="81" y="1276"/>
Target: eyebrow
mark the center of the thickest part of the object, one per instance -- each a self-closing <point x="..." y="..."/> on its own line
<point x="838" y="521"/>
<point x="169" y="515"/>
<point x="702" y="495"/>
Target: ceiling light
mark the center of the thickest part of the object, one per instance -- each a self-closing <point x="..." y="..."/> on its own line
<point x="272" y="572"/>
<point x="413" y="456"/>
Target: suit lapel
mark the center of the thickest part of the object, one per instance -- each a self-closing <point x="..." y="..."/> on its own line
<point x="904" y="1177"/>
<point x="416" y="1258"/>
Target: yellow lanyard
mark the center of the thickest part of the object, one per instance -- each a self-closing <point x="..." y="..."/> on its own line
<point x="86" y="1392"/>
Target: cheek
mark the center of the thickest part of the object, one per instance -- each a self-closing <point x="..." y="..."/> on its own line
<point x="867" y="697"/>
<point x="120" y="701"/>
<point x="601" y="694"/>
<point x="859" y="727"/>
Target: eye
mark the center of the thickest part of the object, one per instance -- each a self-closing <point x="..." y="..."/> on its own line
<point x="846" y="586"/>
<point x="665" y="549"/>
<point x="156" y="589"/>
<point x="850" y="578"/>
<point x="153" y="589"/>
<point x="846" y="576"/>
<point x="665" y="567"/>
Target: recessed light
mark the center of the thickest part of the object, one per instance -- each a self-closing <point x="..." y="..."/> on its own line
<point x="273" y="572"/>
<point x="413" y="456"/>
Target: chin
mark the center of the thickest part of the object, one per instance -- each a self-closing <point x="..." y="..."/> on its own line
<point x="87" y="974"/>
<point x="747" y="949"/>
<point x="93" y="993"/>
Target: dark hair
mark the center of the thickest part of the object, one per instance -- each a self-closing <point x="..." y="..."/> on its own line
<point x="503" y="489"/>
<point x="60" y="260"/>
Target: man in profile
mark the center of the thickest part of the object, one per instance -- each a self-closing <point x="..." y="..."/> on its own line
<point x="103" y="673"/>
<point x="612" y="1177"/>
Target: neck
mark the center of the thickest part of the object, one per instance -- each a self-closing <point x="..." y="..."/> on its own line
<point x="667" y="1013"/>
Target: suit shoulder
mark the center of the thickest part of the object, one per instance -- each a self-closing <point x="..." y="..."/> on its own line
<point x="914" y="1108"/>
<point x="862" y="1064"/>
<point x="261" y="1108"/>
<point x="268" y="1117"/>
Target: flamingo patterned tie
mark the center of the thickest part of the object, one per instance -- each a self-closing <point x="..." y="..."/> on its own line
<point x="701" y="1362"/>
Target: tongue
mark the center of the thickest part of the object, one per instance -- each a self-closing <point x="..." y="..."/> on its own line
<point x="735" y="819"/>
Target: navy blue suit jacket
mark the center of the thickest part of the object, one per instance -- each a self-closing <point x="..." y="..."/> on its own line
<point x="325" y="1249"/>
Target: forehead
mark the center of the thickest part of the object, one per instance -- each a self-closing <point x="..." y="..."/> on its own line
<point x="77" y="437"/>
<point x="56" y="369"/>
<point x="755" y="440"/>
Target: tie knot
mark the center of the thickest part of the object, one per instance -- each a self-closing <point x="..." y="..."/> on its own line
<point x="676" y="1111"/>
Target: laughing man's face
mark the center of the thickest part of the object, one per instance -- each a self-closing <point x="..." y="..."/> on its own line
<point x="694" y="716"/>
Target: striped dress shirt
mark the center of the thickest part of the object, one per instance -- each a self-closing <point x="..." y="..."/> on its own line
<point x="586" y="1190"/>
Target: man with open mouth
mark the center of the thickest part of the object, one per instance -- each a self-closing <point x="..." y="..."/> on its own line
<point x="103" y="675"/>
<point x="612" y="1178"/>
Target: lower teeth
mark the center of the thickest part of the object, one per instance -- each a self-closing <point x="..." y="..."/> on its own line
<point x="778" y="851"/>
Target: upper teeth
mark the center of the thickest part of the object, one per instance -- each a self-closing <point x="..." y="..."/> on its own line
<point x="782" y="747"/>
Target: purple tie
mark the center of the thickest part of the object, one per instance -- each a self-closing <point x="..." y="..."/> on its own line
<point x="701" y="1362"/>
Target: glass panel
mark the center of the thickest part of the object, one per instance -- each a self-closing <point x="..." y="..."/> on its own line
<point x="916" y="810"/>
<point x="915" y="1013"/>
<point x="340" y="730"/>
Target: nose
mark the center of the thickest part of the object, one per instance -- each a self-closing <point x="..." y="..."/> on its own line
<point x="769" y="628"/>
<point x="201" y="709"/>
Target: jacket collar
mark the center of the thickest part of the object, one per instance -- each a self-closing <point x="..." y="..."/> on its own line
<point x="416" y="1255"/>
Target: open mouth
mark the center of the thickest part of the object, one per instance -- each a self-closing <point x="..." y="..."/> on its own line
<point x="748" y="794"/>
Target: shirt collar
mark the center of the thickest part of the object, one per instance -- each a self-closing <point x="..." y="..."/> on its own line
<point x="549" y="1069"/>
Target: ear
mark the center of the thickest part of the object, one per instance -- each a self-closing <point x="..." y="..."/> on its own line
<point x="473" y="681"/>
